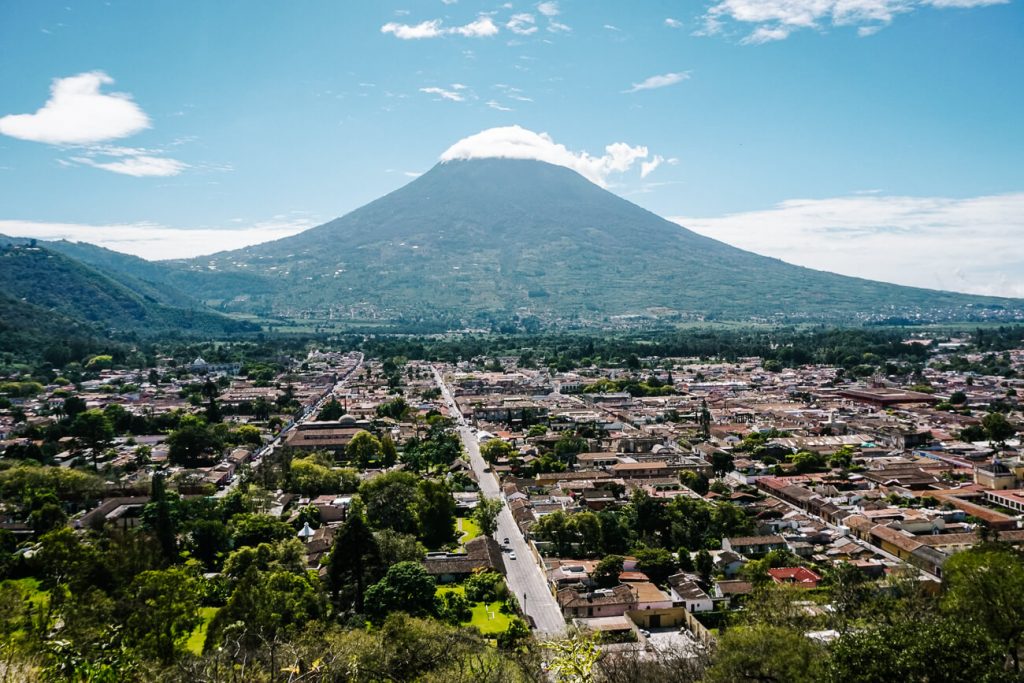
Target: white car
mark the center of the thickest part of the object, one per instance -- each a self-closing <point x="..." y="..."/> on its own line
<point x="512" y="555"/>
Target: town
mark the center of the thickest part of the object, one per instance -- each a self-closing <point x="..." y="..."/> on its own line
<point x="647" y="505"/>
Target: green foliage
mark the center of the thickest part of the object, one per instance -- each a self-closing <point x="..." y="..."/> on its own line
<point x="766" y="653"/>
<point x="606" y="573"/>
<point x="485" y="514"/>
<point x="657" y="563"/>
<point x="406" y="587"/>
<point x="252" y="529"/>
<point x="163" y="609"/>
<point x="364" y="449"/>
<point x="485" y="586"/>
<point x="435" y="512"/>
<point x="496" y="449"/>
<point x="390" y="500"/>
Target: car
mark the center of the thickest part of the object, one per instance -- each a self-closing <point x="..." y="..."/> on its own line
<point x="512" y="555"/>
<point x="645" y="633"/>
<point x="506" y="541"/>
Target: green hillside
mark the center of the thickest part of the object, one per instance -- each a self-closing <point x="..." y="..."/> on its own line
<point x="72" y="291"/>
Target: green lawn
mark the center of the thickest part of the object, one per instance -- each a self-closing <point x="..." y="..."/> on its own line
<point x="30" y="589"/>
<point x="486" y="616"/>
<point x="468" y="529"/>
<point x="194" y="644"/>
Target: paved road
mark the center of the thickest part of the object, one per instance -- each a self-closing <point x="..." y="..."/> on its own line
<point x="524" y="575"/>
<point x="309" y="411"/>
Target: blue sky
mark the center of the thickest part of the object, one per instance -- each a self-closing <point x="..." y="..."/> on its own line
<point x="880" y="138"/>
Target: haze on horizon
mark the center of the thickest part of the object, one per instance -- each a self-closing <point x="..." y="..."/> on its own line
<point x="877" y="139"/>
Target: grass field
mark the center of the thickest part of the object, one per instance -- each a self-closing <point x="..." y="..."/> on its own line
<point x="194" y="644"/>
<point x="487" y="617"/>
<point x="468" y="529"/>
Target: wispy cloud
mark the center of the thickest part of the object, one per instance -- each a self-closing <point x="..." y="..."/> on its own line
<point x="970" y="245"/>
<point x="549" y="9"/>
<point x="523" y="24"/>
<point x="515" y="142"/>
<point x="773" y="20"/>
<point x="140" y="166"/>
<point x="661" y="81"/>
<point x="155" y="241"/>
<point x="494" y="104"/>
<point x="444" y="94"/>
<point x="482" y="27"/>
<point x="673" y="23"/>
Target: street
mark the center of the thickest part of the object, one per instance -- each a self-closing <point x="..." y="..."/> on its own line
<point x="523" y="575"/>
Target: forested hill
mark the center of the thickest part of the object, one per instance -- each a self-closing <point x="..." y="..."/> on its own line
<point x="36" y="279"/>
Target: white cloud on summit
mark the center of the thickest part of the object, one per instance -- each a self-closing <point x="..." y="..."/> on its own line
<point x="969" y="245"/>
<point x="515" y="142"/>
<point x="773" y="20"/>
<point x="77" y="113"/>
<point x="661" y="81"/>
<point x="482" y="27"/>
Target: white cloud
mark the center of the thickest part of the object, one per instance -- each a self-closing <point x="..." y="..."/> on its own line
<point x="452" y="95"/>
<point x="773" y="20"/>
<point x="515" y="142"/>
<point x="77" y="113"/>
<point x="659" y="81"/>
<point x="154" y="241"/>
<point x="612" y="27"/>
<point x="549" y="9"/>
<point x="673" y="23"/>
<point x="970" y="245"/>
<point x="494" y="104"/>
<point x="139" y="166"/>
<point x="482" y="27"/>
<point x="647" y="167"/>
<point x="558" y="27"/>
<point x="522" y="24"/>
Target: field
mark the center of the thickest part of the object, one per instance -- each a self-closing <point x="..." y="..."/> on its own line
<point x="194" y="644"/>
<point x="487" y="617"/>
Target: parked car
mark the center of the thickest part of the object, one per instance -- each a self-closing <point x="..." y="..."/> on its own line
<point x="512" y="555"/>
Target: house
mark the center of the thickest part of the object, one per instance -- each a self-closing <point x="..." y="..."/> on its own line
<point x="603" y="602"/>
<point x="688" y="594"/>
<point x="798" y="576"/>
<point x="482" y="553"/>
<point x="754" y="545"/>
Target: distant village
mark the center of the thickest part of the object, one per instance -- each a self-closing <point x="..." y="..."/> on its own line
<point x="646" y="516"/>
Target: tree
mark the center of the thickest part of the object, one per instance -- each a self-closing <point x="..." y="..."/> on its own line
<point x="406" y="587"/>
<point x="766" y="653"/>
<point x="721" y="463"/>
<point x="606" y="573"/>
<point x="363" y="449"/>
<point x="588" y="531"/>
<point x="390" y="501"/>
<point x="997" y="427"/>
<point x="354" y="555"/>
<point x="388" y="452"/>
<point x="250" y="528"/>
<point x="495" y="450"/>
<point x="160" y="516"/>
<point x="685" y="559"/>
<point x="931" y="649"/>
<point x="192" y="442"/>
<point x="573" y="658"/>
<point x="162" y="610"/>
<point x="985" y="588"/>
<point x="485" y="514"/>
<point x="705" y="564"/>
<point x="436" y="513"/>
<point x="208" y="539"/>
<point x="393" y="547"/>
<point x="332" y="410"/>
<point x="694" y="481"/>
<point x="657" y="563"/>
<point x="94" y="431"/>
